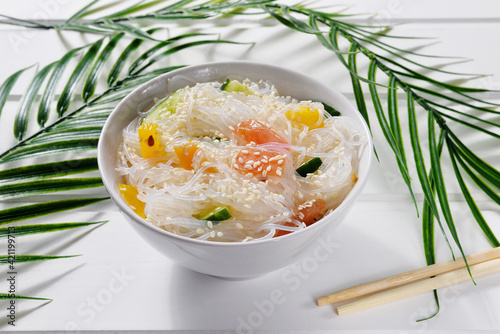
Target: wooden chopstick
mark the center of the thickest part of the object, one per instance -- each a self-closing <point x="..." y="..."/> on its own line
<point x="408" y="277"/>
<point x="415" y="288"/>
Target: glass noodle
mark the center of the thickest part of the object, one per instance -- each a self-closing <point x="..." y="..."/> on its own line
<point x="260" y="205"/>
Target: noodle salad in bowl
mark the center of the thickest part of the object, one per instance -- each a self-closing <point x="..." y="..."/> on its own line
<point x="222" y="161"/>
<point x="234" y="169"/>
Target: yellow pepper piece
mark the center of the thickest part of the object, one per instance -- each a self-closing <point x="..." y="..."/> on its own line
<point x="185" y="154"/>
<point x="148" y="137"/>
<point x="305" y="115"/>
<point x="130" y="193"/>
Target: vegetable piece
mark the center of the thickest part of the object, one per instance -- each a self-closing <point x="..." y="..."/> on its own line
<point x="331" y="110"/>
<point x="313" y="118"/>
<point x="309" y="167"/>
<point x="307" y="213"/>
<point x="185" y="154"/>
<point x="150" y="144"/>
<point x="129" y="194"/>
<point x="259" y="162"/>
<point x="235" y="86"/>
<point x="254" y="131"/>
<point x="217" y="214"/>
<point x="168" y="105"/>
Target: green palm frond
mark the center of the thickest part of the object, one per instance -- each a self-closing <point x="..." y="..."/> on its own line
<point x="22" y="230"/>
<point x="6" y="259"/>
<point x="389" y="69"/>
<point x="8" y="296"/>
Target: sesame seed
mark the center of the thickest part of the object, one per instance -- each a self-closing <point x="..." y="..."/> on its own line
<point x="256" y="164"/>
<point x="244" y="151"/>
<point x="280" y="162"/>
<point x="231" y="128"/>
<point x="210" y="224"/>
<point x="268" y="168"/>
<point x="248" y="174"/>
<point x="249" y="167"/>
<point x="240" y="160"/>
<point x="278" y="172"/>
<point x="220" y="234"/>
<point x="212" y="234"/>
<point x="236" y="166"/>
<point x="239" y="226"/>
<point x="250" y="162"/>
<point x="264" y="161"/>
<point x="200" y="231"/>
<point x="256" y="153"/>
<point x="264" y="172"/>
<point x="259" y="169"/>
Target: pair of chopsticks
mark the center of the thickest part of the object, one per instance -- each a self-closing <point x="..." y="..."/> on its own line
<point x="414" y="282"/>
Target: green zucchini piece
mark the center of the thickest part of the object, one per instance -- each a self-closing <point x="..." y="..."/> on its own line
<point x="309" y="167"/>
<point x="217" y="214"/>
<point x="331" y="110"/>
<point x="235" y="86"/>
<point x="168" y="105"/>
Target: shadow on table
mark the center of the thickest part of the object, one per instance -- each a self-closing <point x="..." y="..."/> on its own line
<point x="285" y="299"/>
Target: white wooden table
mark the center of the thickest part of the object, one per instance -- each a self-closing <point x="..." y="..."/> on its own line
<point x="120" y="283"/>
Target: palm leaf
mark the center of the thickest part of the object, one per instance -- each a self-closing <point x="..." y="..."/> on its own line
<point x="22" y="189"/>
<point x="442" y="196"/>
<point x="356" y="84"/>
<point x="91" y="83"/>
<point x="140" y="60"/>
<point x="22" y="230"/>
<point x="22" y="116"/>
<point x="389" y="136"/>
<point x="12" y="215"/>
<point x="81" y="12"/>
<point x="120" y="62"/>
<point x="67" y="94"/>
<point x="470" y="201"/>
<point x="428" y="188"/>
<point x="83" y="132"/>
<point x="9" y="259"/>
<point x="7" y="87"/>
<point x="135" y="8"/>
<point x="44" y="106"/>
<point x="477" y="180"/>
<point x="48" y="170"/>
<point x="182" y="47"/>
<point x="56" y="147"/>
<point x="129" y="29"/>
<point x="9" y="296"/>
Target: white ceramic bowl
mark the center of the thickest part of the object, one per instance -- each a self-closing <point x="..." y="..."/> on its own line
<point x="230" y="260"/>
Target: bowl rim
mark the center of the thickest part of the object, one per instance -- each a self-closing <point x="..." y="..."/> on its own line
<point x="125" y="209"/>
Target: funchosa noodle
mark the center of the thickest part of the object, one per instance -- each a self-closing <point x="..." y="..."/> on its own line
<point x="220" y="162"/>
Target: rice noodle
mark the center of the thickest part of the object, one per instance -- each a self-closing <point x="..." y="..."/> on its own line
<point x="259" y="205"/>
